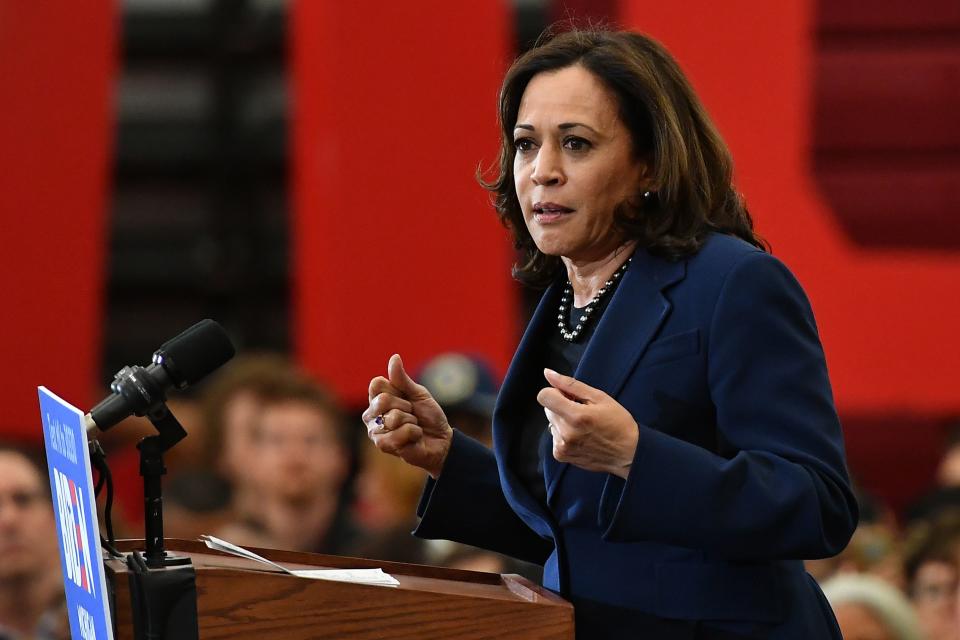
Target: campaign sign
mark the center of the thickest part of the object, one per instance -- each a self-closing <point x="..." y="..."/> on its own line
<point x="74" y="505"/>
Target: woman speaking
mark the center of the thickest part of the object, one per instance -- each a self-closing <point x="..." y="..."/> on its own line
<point x="665" y="441"/>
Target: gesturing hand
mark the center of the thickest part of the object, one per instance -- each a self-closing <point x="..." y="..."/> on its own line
<point x="589" y="428"/>
<point x="412" y="427"/>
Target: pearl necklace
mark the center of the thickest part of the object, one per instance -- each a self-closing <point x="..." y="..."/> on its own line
<point x="571" y="336"/>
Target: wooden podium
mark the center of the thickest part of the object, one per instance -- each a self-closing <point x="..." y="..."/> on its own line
<point x="239" y="598"/>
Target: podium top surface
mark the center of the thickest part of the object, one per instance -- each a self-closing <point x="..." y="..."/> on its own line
<point x="241" y="599"/>
<point x="412" y="577"/>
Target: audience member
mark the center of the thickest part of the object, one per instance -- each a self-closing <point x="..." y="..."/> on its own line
<point x="31" y="588"/>
<point x="945" y="496"/>
<point x="466" y="389"/>
<point x="948" y="471"/>
<point x="299" y="465"/>
<point x="932" y="569"/>
<point x="868" y="608"/>
<point x="875" y="549"/>
<point x="232" y="405"/>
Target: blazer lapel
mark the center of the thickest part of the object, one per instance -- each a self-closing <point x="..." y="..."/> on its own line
<point x="522" y="379"/>
<point x="632" y="318"/>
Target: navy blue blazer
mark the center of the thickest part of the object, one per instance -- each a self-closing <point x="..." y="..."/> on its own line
<point x="739" y="473"/>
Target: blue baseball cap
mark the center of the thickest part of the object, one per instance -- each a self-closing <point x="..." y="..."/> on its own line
<point x="460" y="382"/>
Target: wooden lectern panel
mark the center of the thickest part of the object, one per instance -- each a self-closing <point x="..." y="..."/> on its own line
<point x="243" y="599"/>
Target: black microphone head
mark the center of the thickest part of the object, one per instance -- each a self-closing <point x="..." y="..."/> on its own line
<point x="194" y="353"/>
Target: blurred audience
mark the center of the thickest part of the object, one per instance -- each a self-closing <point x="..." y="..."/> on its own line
<point x="296" y="460"/>
<point x="932" y="570"/>
<point x="232" y="406"/>
<point x="887" y="584"/>
<point x="868" y="608"/>
<point x="387" y="491"/>
<point x="120" y="444"/>
<point x="32" y="602"/>
<point x="195" y="502"/>
<point x="466" y="388"/>
<point x="945" y="496"/>
<point x="269" y="461"/>
<point x="948" y="471"/>
<point x="873" y="549"/>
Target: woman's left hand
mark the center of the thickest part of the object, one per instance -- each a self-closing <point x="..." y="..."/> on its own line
<point x="590" y="429"/>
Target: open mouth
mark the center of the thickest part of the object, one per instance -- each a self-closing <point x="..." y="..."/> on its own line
<point x="545" y="212"/>
<point x="549" y="208"/>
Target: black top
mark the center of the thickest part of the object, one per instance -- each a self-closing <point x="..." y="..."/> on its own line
<point x="563" y="357"/>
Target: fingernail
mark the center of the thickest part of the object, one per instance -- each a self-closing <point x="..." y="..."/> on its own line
<point x="547" y="371"/>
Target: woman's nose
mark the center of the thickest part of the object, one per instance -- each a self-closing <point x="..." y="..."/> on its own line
<point x="547" y="167"/>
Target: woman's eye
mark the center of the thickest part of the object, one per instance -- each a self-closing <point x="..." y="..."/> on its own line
<point x="523" y="144"/>
<point x="575" y="144"/>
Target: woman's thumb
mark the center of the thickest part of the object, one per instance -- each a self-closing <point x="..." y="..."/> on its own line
<point x="398" y="376"/>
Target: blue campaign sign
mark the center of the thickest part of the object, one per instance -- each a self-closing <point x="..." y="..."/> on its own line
<point x="71" y="484"/>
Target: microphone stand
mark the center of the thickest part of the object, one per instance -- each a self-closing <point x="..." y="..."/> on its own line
<point x="163" y="602"/>
<point x="169" y="433"/>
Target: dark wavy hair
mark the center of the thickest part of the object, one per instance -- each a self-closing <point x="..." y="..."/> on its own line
<point x="691" y="168"/>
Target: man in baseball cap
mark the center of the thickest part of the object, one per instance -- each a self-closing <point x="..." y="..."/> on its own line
<point x="466" y="389"/>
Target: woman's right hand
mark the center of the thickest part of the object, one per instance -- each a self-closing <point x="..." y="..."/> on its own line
<point x="414" y="426"/>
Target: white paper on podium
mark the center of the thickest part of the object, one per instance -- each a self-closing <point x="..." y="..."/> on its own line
<point x="359" y="576"/>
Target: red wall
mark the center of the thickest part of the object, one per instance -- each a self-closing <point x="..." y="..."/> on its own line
<point x="888" y="318"/>
<point x="887" y="136"/>
<point x="395" y="246"/>
<point x="386" y="264"/>
<point x="57" y="74"/>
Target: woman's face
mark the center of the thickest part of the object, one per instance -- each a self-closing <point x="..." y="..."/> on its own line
<point x="574" y="164"/>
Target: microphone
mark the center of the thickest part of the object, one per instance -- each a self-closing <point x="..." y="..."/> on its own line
<point x="178" y="363"/>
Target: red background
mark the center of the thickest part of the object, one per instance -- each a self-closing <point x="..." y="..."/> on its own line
<point x="58" y="68"/>
<point x="395" y="248"/>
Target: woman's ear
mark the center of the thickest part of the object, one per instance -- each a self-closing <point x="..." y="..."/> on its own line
<point x="645" y="175"/>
